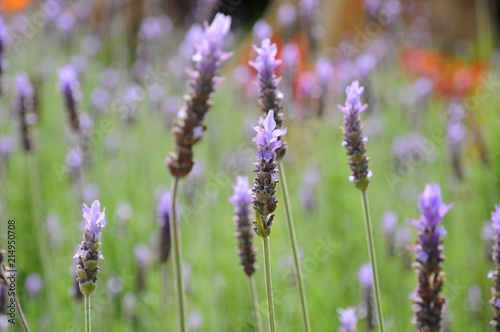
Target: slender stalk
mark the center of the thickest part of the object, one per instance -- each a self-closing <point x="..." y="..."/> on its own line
<point x="373" y="259"/>
<point x="269" y="284"/>
<point x="86" y="299"/>
<point x="163" y="294"/>
<point x="293" y="240"/>
<point x="37" y="206"/>
<point x="177" y="257"/>
<point x="20" y="311"/>
<point x="257" y="321"/>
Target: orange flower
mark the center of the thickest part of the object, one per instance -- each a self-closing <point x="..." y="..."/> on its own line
<point x="9" y="6"/>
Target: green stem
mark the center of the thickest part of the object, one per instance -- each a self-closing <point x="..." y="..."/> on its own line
<point x="22" y="317"/>
<point x="257" y="321"/>
<point x="175" y="233"/>
<point x="37" y="206"/>
<point x="86" y="299"/>
<point x="163" y="294"/>
<point x="269" y="284"/>
<point x="293" y="240"/>
<point x="373" y="259"/>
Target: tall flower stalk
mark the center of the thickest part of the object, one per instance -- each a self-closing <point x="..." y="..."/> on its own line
<point x="188" y="129"/>
<point x="427" y="303"/>
<point x="354" y="142"/>
<point x="495" y="273"/>
<point x="88" y="255"/>
<point x="241" y="199"/>
<point x="271" y="100"/>
<point x="264" y="198"/>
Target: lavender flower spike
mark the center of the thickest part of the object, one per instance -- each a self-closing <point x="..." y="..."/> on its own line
<point x="354" y="141"/>
<point x="348" y="320"/>
<point x="427" y="303"/>
<point x="3" y="42"/>
<point x="365" y="278"/>
<point x="271" y="98"/>
<point x="70" y="88"/>
<point x="163" y="211"/>
<point x="188" y="127"/>
<point x="88" y="254"/>
<point x="264" y="199"/>
<point x="242" y="197"/>
<point x="495" y="273"/>
<point x="24" y="106"/>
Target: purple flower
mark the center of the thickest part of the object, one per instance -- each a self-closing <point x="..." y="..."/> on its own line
<point x="153" y="28"/>
<point x="287" y="16"/>
<point x="70" y="88"/>
<point x="33" y="285"/>
<point x="163" y="212"/>
<point x="456" y="135"/>
<point x="6" y="146"/>
<point x="88" y="253"/>
<point x="427" y="303"/>
<point x="354" y="140"/>
<point x="270" y="97"/>
<point x="389" y="222"/>
<point x="94" y="220"/>
<point x="267" y="138"/>
<point x="241" y="199"/>
<point x="365" y="276"/>
<point x="66" y="23"/>
<point x="100" y="99"/>
<point x="143" y="255"/>
<point x="24" y="108"/>
<point x="348" y="320"/>
<point x="188" y="127"/>
<point x="266" y="61"/>
<point x="495" y="273"/>
<point x="261" y="30"/>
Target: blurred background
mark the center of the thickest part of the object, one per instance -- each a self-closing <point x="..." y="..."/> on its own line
<point x="430" y="71"/>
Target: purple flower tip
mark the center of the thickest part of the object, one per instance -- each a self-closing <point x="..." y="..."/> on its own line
<point x="495" y="218"/>
<point x="365" y="276"/>
<point x="267" y="138"/>
<point x="23" y="85"/>
<point x="353" y="102"/>
<point x="266" y="61"/>
<point x="94" y="220"/>
<point x="432" y="207"/>
<point x="348" y="319"/>
<point x="242" y="194"/>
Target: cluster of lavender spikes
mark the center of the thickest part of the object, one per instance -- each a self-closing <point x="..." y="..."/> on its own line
<point x="354" y="140"/>
<point x="188" y="127"/>
<point x="427" y="303"/>
<point x="266" y="174"/>
<point x="495" y="273"/>
<point x="271" y="98"/>
<point x="88" y="254"/>
<point x="241" y="199"/>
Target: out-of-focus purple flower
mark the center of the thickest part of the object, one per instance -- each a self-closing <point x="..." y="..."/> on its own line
<point x="70" y="88"/>
<point x="74" y="159"/>
<point x="307" y="190"/>
<point x="82" y="10"/>
<point x="410" y="151"/>
<point x="153" y="28"/>
<point x="389" y="222"/>
<point x="456" y="135"/>
<point x="188" y="127"/>
<point x="163" y="212"/>
<point x="495" y="273"/>
<point x="474" y="299"/>
<point x="110" y="78"/>
<point x="287" y="17"/>
<point x="88" y="253"/>
<point x="372" y="6"/>
<point x="24" y="106"/>
<point x="354" y="140"/>
<point x="365" y="276"/>
<point x="261" y="30"/>
<point x="241" y="199"/>
<point x="33" y="285"/>
<point x="66" y="23"/>
<point x="306" y="92"/>
<point x="348" y="320"/>
<point x="100" y="99"/>
<point x="3" y="42"/>
<point x="290" y="55"/>
<point x="195" y="320"/>
<point x="91" y="45"/>
<point x="267" y="138"/>
<point x="143" y="255"/>
<point x="124" y="211"/>
<point x="6" y="147"/>
<point x="114" y="285"/>
<point x="427" y="303"/>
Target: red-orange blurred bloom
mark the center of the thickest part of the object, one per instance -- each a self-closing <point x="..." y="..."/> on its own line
<point x="9" y="6"/>
<point x="451" y="76"/>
